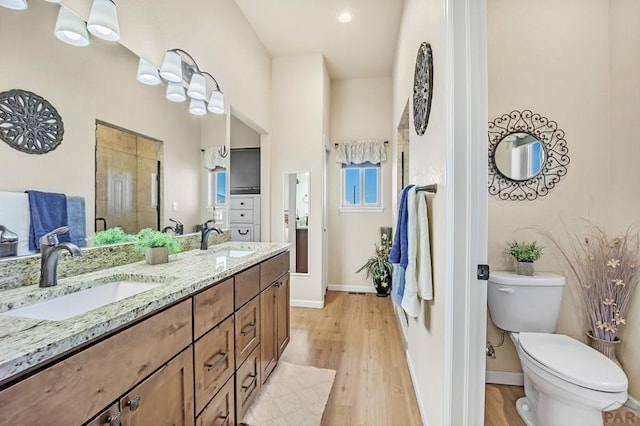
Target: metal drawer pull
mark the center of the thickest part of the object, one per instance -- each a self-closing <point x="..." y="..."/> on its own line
<point x="278" y="284"/>
<point x="242" y="203"/>
<point x="225" y="419"/>
<point x="133" y="403"/>
<point x="243" y="233"/>
<point x="241" y="214"/>
<point x="114" y="420"/>
<point x="253" y="378"/>
<point x="211" y="365"/>
<point x="247" y="328"/>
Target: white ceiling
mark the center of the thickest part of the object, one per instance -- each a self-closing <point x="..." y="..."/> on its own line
<point x="360" y="49"/>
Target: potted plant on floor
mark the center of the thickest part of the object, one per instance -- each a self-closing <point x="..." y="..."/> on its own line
<point x="525" y="254"/>
<point x="156" y="245"/>
<point x="378" y="267"/>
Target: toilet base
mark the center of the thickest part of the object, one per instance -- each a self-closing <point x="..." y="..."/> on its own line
<point x="526" y="411"/>
<point x="555" y="413"/>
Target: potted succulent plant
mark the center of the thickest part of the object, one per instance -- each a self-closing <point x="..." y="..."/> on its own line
<point x="112" y="236"/>
<point x="156" y="245"/>
<point x="378" y="267"/>
<point x="525" y="254"/>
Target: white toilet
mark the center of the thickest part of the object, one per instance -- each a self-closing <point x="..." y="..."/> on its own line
<point x="565" y="381"/>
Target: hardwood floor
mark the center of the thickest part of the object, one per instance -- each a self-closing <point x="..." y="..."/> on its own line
<point x="356" y="335"/>
<point x="500" y="408"/>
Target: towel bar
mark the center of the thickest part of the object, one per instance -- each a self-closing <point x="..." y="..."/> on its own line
<point x="428" y="188"/>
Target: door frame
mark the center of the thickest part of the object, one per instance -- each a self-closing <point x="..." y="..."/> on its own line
<point x="466" y="298"/>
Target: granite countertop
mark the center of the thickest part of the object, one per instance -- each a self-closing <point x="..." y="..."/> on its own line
<point x="26" y="342"/>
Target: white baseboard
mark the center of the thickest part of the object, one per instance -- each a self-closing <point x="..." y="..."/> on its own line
<point x="412" y="373"/>
<point x="504" y="378"/>
<point x="633" y="404"/>
<point x="354" y="288"/>
<point x="307" y="303"/>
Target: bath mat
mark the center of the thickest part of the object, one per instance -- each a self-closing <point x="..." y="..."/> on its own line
<point x="293" y="395"/>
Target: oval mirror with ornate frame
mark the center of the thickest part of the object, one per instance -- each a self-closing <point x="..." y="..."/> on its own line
<point x="528" y="156"/>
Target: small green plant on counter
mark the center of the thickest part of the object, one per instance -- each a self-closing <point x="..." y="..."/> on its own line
<point x="112" y="236"/>
<point x="525" y="252"/>
<point x="148" y="237"/>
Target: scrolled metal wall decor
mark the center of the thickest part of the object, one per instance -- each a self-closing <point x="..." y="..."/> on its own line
<point x="535" y="159"/>
<point x="422" y="88"/>
<point x="29" y="123"/>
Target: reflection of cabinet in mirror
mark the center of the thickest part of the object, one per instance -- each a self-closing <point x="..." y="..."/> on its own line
<point x="296" y="219"/>
<point x="245" y="217"/>
<point x="127" y="179"/>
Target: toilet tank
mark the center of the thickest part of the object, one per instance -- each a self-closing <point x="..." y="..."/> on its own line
<point x="525" y="303"/>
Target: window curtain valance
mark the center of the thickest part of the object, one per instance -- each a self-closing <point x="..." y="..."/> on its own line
<point x="358" y="152"/>
<point x="213" y="157"/>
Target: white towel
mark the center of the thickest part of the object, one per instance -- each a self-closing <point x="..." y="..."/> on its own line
<point x="418" y="280"/>
<point x="213" y="159"/>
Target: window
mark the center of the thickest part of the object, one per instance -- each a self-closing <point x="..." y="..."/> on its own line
<point x="217" y="188"/>
<point x="361" y="186"/>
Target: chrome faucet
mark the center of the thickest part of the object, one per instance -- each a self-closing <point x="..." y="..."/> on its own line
<point x="50" y="250"/>
<point x="177" y="230"/>
<point x="204" y="234"/>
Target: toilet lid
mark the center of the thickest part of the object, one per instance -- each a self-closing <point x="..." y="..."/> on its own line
<point x="574" y="361"/>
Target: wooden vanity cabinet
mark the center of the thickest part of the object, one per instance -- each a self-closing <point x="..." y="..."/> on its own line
<point x="221" y="410"/>
<point x="283" y="313"/>
<point x="248" y="383"/>
<point x="165" y="398"/>
<point x="247" y="330"/>
<point x="268" y="332"/>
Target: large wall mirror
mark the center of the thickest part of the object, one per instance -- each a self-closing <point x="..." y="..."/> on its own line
<point x="97" y="83"/>
<point x="296" y="219"/>
<point x="528" y="156"/>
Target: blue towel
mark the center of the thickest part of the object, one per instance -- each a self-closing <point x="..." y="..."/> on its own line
<point x="76" y="220"/>
<point x="48" y="212"/>
<point x="399" y="253"/>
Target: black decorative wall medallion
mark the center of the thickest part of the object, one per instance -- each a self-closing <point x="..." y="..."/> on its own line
<point x="528" y="156"/>
<point x="422" y="88"/>
<point x="29" y="123"/>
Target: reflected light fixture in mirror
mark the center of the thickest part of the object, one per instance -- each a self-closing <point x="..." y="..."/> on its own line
<point x="103" y="20"/>
<point x="179" y="68"/>
<point x="71" y="29"/>
<point x="14" y="4"/>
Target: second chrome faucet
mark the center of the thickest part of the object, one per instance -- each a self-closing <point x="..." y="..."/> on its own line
<point x="50" y="250"/>
<point x="205" y="231"/>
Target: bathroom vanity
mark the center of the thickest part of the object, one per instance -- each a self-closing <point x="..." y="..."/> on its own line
<point x="193" y="350"/>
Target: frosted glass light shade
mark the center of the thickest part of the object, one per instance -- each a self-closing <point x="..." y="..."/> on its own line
<point x="197" y="88"/>
<point x="70" y="28"/>
<point x="103" y="20"/>
<point x="147" y="73"/>
<point x="216" y="103"/>
<point x="171" y="69"/>
<point x="53" y="1"/>
<point x="175" y="92"/>
<point x="14" y="4"/>
<point x="197" y="107"/>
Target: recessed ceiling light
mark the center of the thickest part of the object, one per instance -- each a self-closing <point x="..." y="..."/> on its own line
<point x="345" y="17"/>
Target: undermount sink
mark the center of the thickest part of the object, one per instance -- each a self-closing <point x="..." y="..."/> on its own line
<point x="70" y="305"/>
<point x="234" y="253"/>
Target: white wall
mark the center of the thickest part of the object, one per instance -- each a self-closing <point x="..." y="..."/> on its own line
<point x="580" y="71"/>
<point x="243" y="136"/>
<point x="423" y="20"/>
<point x="360" y="109"/>
<point x="85" y="84"/>
<point x="296" y="144"/>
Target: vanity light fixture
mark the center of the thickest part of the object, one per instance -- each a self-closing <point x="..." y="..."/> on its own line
<point x="103" y="20"/>
<point x="180" y="70"/>
<point x="14" y="4"/>
<point x="71" y="28"/>
<point x="345" y="17"/>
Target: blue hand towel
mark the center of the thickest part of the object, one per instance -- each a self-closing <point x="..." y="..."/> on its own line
<point x="400" y="248"/>
<point x="76" y="220"/>
<point x="48" y="212"/>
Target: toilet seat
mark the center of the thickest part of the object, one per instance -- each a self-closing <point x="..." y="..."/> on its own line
<point x="573" y="361"/>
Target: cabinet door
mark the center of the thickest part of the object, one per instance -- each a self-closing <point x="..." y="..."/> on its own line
<point x="283" y="313"/>
<point x="247" y="383"/>
<point x="212" y="306"/>
<point x="111" y="416"/>
<point x="214" y="361"/>
<point x="221" y="410"/>
<point x="241" y="233"/>
<point x="165" y="398"/>
<point x="247" y="330"/>
<point x="268" y="336"/>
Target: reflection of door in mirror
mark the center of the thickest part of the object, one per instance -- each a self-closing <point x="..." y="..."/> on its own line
<point x="519" y="156"/>
<point x="127" y="180"/>
<point x="403" y="149"/>
<point x="296" y="219"/>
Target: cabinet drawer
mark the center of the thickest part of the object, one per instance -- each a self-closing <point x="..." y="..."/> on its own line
<point x="240" y="216"/>
<point x="214" y="361"/>
<point x="165" y="398"/>
<point x="99" y="373"/>
<point x="212" y="306"/>
<point x="242" y="203"/>
<point x="221" y="409"/>
<point x="247" y="285"/>
<point x="247" y="383"/>
<point x="273" y="269"/>
<point x="110" y="416"/>
<point x="242" y="233"/>
<point x="247" y="330"/>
